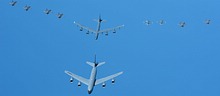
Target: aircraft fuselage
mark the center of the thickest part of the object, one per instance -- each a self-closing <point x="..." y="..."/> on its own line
<point x="92" y="80"/>
<point x="98" y="28"/>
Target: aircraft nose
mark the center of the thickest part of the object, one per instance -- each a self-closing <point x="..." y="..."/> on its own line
<point x="89" y="91"/>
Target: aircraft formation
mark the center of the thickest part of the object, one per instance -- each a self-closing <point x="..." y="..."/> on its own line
<point x="93" y="81"/>
<point x="28" y="7"/>
<point x="181" y="24"/>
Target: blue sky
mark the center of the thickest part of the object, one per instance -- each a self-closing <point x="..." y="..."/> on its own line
<point x="167" y="60"/>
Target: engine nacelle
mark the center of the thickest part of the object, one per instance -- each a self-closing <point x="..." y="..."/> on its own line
<point x="103" y="85"/>
<point x="106" y="34"/>
<point x="79" y="84"/>
<point x="71" y="80"/>
<point x="81" y="29"/>
<point x="113" y="81"/>
<point x="87" y="32"/>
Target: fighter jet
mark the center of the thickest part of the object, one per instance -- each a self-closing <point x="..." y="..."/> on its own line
<point x="12" y="3"/>
<point x="148" y="22"/>
<point x="92" y="81"/>
<point x="182" y="24"/>
<point x="26" y="7"/>
<point x="161" y="22"/>
<point x="59" y="15"/>
<point x="208" y="21"/>
<point x="98" y="31"/>
<point x="47" y="11"/>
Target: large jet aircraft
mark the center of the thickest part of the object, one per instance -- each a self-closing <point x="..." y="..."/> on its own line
<point x="98" y="31"/>
<point x="92" y="81"/>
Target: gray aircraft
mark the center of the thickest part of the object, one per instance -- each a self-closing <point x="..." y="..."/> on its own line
<point x="92" y="81"/>
<point x="148" y="22"/>
<point x="207" y="21"/>
<point x="182" y="24"/>
<point x="47" y="11"/>
<point x="12" y="3"/>
<point x="26" y="7"/>
<point x="98" y="31"/>
<point x="161" y="22"/>
<point x="59" y="15"/>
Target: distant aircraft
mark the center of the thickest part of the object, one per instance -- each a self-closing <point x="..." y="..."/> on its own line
<point x="208" y="21"/>
<point x="26" y="8"/>
<point x="47" y="11"/>
<point x="148" y="22"/>
<point x="182" y="24"/>
<point x="59" y="15"/>
<point x="12" y="3"/>
<point x="161" y="22"/>
<point x="98" y="31"/>
<point x="92" y="81"/>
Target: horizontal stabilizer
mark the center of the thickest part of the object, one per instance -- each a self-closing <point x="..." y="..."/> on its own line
<point x="90" y="63"/>
<point x="100" y="64"/>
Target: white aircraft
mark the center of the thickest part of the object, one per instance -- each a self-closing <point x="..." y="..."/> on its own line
<point x="26" y="8"/>
<point x="59" y="15"/>
<point x="12" y="3"/>
<point x="208" y="21"/>
<point x="182" y="24"/>
<point x="47" y="11"/>
<point x="98" y="31"/>
<point x="161" y="22"/>
<point x="92" y="81"/>
<point x="148" y="22"/>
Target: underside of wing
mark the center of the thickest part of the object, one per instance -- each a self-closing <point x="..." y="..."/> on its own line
<point x="111" y="29"/>
<point x="79" y="78"/>
<point x="84" y="27"/>
<point x="102" y="80"/>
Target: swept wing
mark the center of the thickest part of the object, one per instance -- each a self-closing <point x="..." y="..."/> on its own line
<point x="111" y="29"/>
<point x="79" y="78"/>
<point x="99" y="81"/>
<point x="84" y="27"/>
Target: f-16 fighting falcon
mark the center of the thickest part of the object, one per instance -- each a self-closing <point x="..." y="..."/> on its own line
<point x="161" y="22"/>
<point x="26" y="8"/>
<point x="47" y="11"/>
<point x="98" y="30"/>
<point x="208" y="21"/>
<point x="182" y="24"/>
<point x="92" y="81"/>
<point x="13" y="3"/>
<point x="59" y="15"/>
<point x="148" y="22"/>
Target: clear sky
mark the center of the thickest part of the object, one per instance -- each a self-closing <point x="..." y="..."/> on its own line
<point x="166" y="60"/>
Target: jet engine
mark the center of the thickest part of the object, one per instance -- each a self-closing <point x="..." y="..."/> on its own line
<point x="106" y="34"/>
<point x="81" y="29"/>
<point x="71" y="80"/>
<point x="87" y="32"/>
<point x="103" y="85"/>
<point x="113" y="81"/>
<point x="79" y="84"/>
